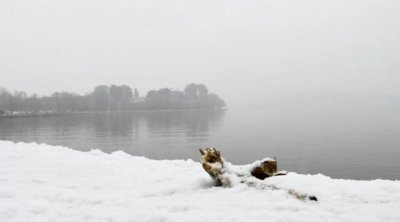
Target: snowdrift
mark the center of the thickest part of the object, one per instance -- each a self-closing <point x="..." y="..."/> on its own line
<point x="43" y="183"/>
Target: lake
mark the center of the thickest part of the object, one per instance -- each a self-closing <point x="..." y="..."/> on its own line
<point x="360" y="142"/>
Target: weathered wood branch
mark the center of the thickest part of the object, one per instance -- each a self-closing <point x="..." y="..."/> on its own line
<point x="221" y="172"/>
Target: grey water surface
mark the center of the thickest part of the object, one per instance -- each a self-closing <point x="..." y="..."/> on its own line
<point x="338" y="141"/>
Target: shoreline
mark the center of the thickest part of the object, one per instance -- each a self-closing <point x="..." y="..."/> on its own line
<point x="56" y="182"/>
<point x="48" y="114"/>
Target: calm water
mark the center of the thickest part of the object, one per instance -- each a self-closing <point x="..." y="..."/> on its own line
<point x="339" y="141"/>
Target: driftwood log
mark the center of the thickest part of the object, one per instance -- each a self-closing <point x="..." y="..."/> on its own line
<point x="221" y="172"/>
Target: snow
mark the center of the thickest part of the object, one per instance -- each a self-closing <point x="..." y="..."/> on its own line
<point x="245" y="170"/>
<point x="40" y="182"/>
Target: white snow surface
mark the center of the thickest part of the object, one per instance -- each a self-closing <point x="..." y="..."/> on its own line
<point x="40" y="182"/>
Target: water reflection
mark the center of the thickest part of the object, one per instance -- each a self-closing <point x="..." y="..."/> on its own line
<point x="194" y="125"/>
<point x="156" y="134"/>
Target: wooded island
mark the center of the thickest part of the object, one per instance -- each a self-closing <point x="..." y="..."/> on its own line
<point x="109" y="98"/>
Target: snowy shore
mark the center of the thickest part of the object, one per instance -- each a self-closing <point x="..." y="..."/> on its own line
<point x="49" y="183"/>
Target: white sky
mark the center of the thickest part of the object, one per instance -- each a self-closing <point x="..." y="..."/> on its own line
<point x="239" y="49"/>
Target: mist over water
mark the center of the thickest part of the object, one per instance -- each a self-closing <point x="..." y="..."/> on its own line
<point x="357" y="140"/>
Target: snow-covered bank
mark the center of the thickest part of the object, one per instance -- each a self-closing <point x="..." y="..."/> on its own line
<point x="48" y="183"/>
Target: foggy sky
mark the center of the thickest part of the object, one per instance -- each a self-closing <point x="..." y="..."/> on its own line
<point x="239" y="49"/>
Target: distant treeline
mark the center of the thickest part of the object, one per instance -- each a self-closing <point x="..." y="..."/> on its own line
<point x="194" y="96"/>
